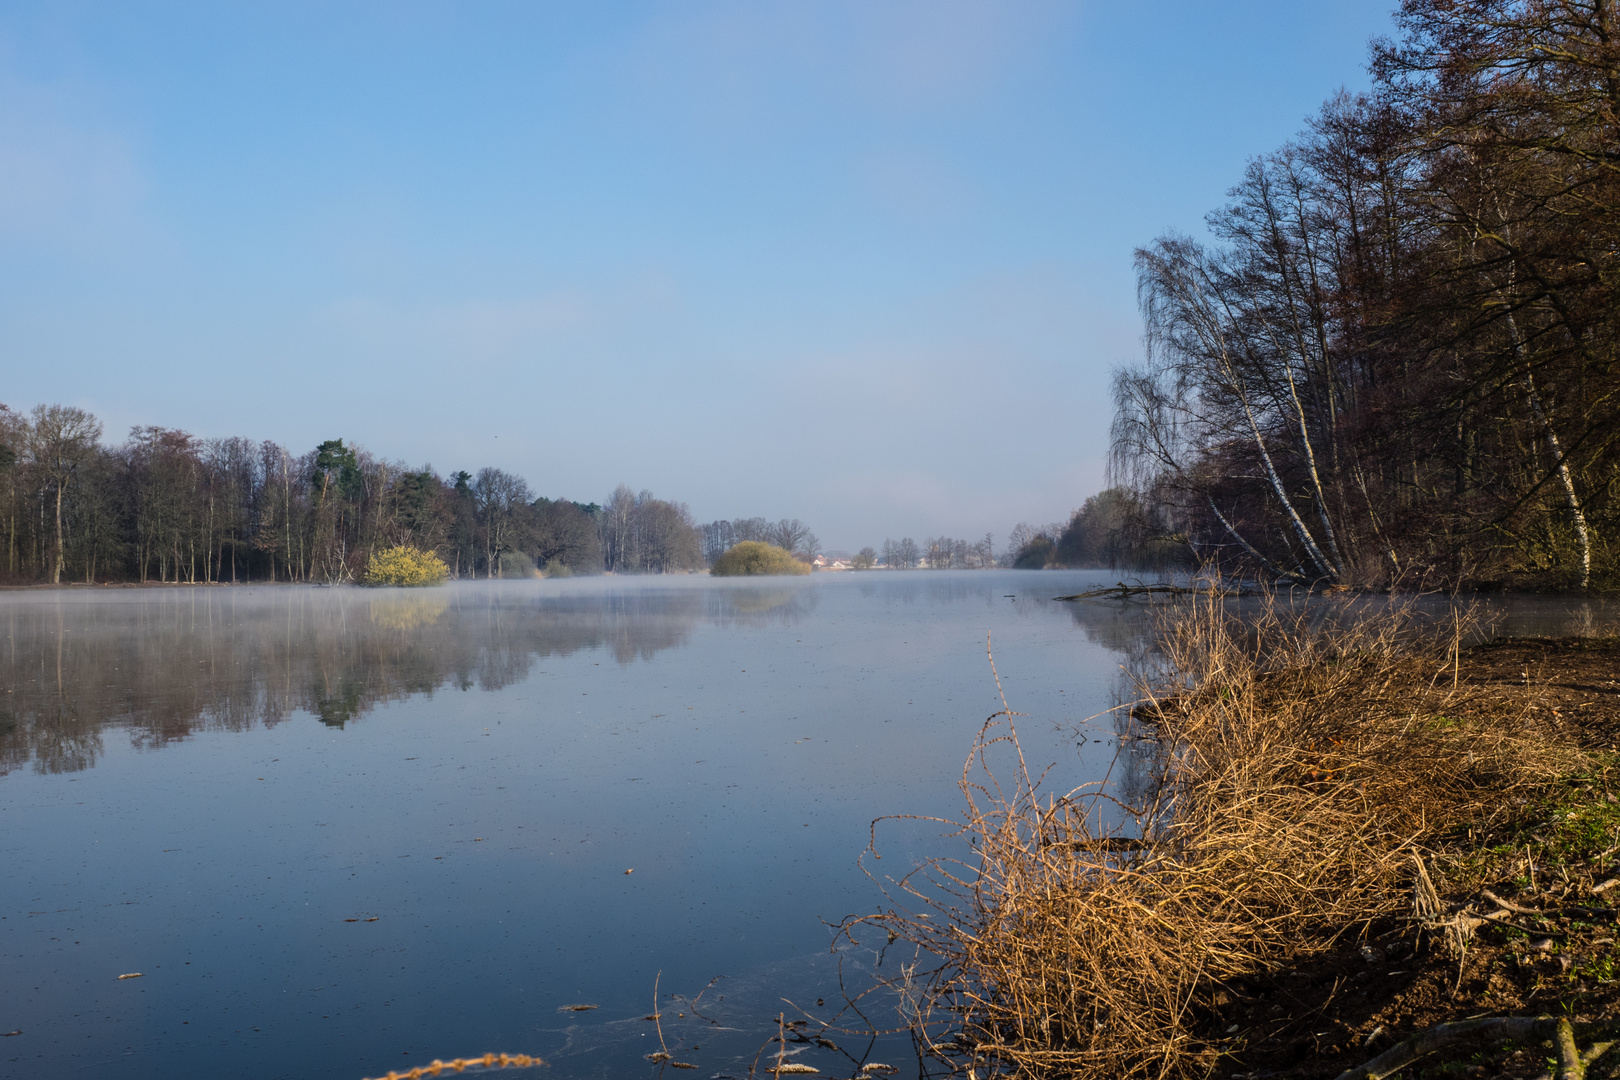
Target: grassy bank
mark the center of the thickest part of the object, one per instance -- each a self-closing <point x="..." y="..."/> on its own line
<point x="1325" y="841"/>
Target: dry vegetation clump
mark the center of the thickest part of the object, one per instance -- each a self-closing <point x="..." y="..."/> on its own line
<point x="1287" y="776"/>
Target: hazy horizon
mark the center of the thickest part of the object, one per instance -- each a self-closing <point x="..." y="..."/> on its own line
<point x="868" y="266"/>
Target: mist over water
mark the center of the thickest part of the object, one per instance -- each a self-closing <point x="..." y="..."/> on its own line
<point x="221" y="788"/>
<point x="165" y="664"/>
<point x="339" y="831"/>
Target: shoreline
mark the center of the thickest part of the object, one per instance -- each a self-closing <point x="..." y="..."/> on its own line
<point x="1355" y="839"/>
<point x="1550" y="855"/>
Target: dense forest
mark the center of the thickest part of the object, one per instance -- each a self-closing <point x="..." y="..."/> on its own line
<point x="1395" y="360"/>
<point x="166" y="506"/>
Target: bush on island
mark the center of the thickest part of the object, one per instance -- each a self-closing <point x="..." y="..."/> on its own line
<point x="405" y="566"/>
<point x="752" y="558"/>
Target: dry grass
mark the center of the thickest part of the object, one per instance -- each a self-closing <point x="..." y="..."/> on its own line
<point x="1289" y="773"/>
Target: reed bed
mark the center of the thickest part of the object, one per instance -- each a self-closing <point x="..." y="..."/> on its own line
<point x="1289" y="770"/>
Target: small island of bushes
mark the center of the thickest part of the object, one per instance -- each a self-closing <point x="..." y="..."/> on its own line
<point x="405" y="566"/>
<point x="751" y="558"/>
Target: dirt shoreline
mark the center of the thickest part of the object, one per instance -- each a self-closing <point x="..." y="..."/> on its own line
<point x="1557" y="856"/>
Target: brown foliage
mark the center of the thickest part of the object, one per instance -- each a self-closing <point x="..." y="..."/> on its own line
<point x="1286" y="773"/>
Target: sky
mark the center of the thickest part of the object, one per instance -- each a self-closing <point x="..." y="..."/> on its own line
<point x="864" y="263"/>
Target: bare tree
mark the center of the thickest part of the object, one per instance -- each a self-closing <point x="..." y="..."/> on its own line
<point x="754" y="528"/>
<point x="641" y="533"/>
<point x="667" y="538"/>
<point x="790" y="534"/>
<point x="62" y="437"/>
<point x="14" y="440"/>
<point x="500" y="496"/>
<point x="718" y="538"/>
<point x="1228" y="365"/>
<point x="615" y="525"/>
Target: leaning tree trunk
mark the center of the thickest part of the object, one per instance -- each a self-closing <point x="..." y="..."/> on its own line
<point x="1577" y="515"/>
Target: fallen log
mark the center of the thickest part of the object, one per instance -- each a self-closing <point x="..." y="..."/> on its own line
<point x="1123" y="591"/>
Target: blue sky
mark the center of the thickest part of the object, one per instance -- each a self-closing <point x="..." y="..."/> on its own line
<point x="863" y="263"/>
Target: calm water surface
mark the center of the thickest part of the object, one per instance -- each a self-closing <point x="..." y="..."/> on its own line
<point x="340" y="832"/>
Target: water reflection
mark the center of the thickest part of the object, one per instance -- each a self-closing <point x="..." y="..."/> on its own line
<point x="760" y="605"/>
<point x="1123" y="628"/>
<point x="731" y="742"/>
<point x="166" y="664"/>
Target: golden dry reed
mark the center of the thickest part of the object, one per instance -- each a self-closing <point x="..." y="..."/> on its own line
<point x="488" y="1061"/>
<point x="1286" y="767"/>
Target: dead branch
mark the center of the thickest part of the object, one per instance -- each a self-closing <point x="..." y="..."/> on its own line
<point x="1565" y="1036"/>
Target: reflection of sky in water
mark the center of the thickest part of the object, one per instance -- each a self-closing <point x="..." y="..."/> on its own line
<point x="204" y="785"/>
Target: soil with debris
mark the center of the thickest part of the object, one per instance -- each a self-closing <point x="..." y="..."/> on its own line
<point x="1543" y="885"/>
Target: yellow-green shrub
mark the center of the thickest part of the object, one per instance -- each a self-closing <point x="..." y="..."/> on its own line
<point x="751" y="558"/>
<point x="405" y="566"/>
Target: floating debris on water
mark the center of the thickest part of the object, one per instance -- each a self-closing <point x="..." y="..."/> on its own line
<point x="131" y="975"/>
<point x="488" y="1061"/>
<point x="576" y="1008"/>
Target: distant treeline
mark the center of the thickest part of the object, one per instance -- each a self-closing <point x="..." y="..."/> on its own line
<point x="934" y="553"/>
<point x="168" y="506"/>
<point x="1399" y="359"/>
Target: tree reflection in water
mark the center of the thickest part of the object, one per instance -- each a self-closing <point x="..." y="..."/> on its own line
<point x="164" y="664"/>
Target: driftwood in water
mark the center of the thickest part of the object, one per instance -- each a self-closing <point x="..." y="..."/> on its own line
<point x="1123" y="591"/>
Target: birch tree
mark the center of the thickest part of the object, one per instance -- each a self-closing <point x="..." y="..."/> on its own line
<point x="61" y="438"/>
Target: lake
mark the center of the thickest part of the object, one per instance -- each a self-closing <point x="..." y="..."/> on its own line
<point x="340" y="831"/>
